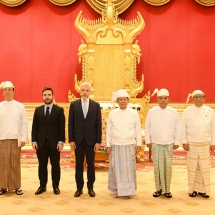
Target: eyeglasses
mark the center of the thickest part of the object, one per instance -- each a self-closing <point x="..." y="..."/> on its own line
<point x="198" y="97"/>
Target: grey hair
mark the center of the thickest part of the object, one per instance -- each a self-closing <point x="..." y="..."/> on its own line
<point x="85" y="83"/>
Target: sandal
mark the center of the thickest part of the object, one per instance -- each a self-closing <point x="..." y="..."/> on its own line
<point x="168" y="195"/>
<point x="193" y="194"/>
<point x="2" y="191"/>
<point x="18" y="192"/>
<point x="157" y="193"/>
<point x="204" y="195"/>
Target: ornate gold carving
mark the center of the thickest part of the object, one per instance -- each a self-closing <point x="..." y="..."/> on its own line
<point x="206" y="2"/>
<point x="157" y="2"/>
<point x="100" y="5"/>
<point x="110" y="54"/>
<point x="12" y="3"/>
<point x="62" y="2"/>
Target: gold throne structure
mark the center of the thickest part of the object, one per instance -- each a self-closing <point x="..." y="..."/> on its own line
<point x="109" y="54"/>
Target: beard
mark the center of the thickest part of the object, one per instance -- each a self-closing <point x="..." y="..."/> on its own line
<point x="48" y="101"/>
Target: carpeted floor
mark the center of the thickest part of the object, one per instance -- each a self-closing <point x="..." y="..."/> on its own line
<point x="103" y="203"/>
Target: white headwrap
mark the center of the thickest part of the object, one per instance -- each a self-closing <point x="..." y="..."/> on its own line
<point x="195" y="92"/>
<point x="119" y="93"/>
<point x="6" y="84"/>
<point x="161" y="92"/>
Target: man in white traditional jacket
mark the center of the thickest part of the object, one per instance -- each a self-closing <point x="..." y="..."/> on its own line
<point x="13" y="136"/>
<point x="124" y="139"/>
<point x="162" y="135"/>
<point x="198" y="139"/>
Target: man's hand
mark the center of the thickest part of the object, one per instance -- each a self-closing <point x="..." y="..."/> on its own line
<point x="34" y="146"/>
<point x="22" y="144"/>
<point x="72" y="145"/>
<point x="108" y="150"/>
<point x="137" y="149"/>
<point x="186" y="147"/>
<point x="175" y="146"/>
<point x="97" y="147"/>
<point x="212" y="148"/>
<point x="149" y="145"/>
<point x="59" y="146"/>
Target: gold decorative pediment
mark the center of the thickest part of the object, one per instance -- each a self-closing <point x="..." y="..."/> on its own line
<point x="62" y="2"/>
<point x="157" y="2"/>
<point x="12" y="3"/>
<point x="100" y="5"/>
<point x="206" y="2"/>
<point x="110" y="53"/>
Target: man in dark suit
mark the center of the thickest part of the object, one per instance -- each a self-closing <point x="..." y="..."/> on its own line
<point x="85" y="128"/>
<point x="48" y="137"/>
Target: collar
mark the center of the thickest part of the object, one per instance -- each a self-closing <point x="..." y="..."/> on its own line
<point x="50" y="106"/>
<point x="82" y="100"/>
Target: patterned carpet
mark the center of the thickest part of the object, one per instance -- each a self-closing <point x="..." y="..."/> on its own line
<point x="103" y="203"/>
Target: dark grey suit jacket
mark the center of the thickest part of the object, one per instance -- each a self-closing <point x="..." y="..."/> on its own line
<point x="53" y="128"/>
<point x="89" y="128"/>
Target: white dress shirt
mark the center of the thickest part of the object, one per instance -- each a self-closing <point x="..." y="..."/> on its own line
<point x="162" y="126"/>
<point x="198" y="125"/>
<point x="123" y="127"/>
<point x="14" y="123"/>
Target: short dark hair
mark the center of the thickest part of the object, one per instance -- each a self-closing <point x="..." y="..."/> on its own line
<point x="48" y="88"/>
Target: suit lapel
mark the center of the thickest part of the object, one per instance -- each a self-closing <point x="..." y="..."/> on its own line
<point x="42" y="111"/>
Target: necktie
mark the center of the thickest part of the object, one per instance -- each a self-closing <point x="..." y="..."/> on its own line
<point x="47" y="112"/>
<point x="85" y="108"/>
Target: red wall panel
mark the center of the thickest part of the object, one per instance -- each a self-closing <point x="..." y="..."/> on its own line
<point x="39" y="45"/>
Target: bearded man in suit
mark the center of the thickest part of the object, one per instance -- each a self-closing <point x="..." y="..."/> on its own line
<point x="48" y="137"/>
<point x="85" y="128"/>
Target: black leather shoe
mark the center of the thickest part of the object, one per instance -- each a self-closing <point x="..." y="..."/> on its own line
<point x="78" y="192"/>
<point x="40" y="190"/>
<point x="56" y="190"/>
<point x="91" y="193"/>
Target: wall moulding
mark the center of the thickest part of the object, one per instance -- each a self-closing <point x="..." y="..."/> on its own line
<point x="12" y="3"/>
<point x="99" y="5"/>
<point x="120" y="5"/>
<point x="157" y="2"/>
<point x="62" y="2"/>
<point x="206" y="2"/>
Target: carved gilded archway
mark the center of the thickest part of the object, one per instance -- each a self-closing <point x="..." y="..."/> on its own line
<point x="110" y="53"/>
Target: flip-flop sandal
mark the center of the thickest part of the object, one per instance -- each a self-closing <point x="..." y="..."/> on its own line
<point x="204" y="195"/>
<point x="193" y="194"/>
<point x="168" y="195"/>
<point x="18" y="192"/>
<point x="2" y="191"/>
<point x="157" y="193"/>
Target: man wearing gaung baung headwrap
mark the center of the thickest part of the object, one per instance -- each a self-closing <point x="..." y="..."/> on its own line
<point x="124" y="139"/>
<point x="13" y="136"/>
<point x="198" y="139"/>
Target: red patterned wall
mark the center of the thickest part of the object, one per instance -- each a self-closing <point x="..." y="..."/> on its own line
<point x="39" y="43"/>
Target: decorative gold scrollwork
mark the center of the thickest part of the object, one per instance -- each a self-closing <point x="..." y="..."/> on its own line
<point x="62" y="2"/>
<point x="206" y="2"/>
<point x="120" y="5"/>
<point x="110" y="53"/>
<point x="157" y="2"/>
<point x="12" y="3"/>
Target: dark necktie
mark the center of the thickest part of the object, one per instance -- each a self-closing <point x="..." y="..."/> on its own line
<point x="47" y="112"/>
